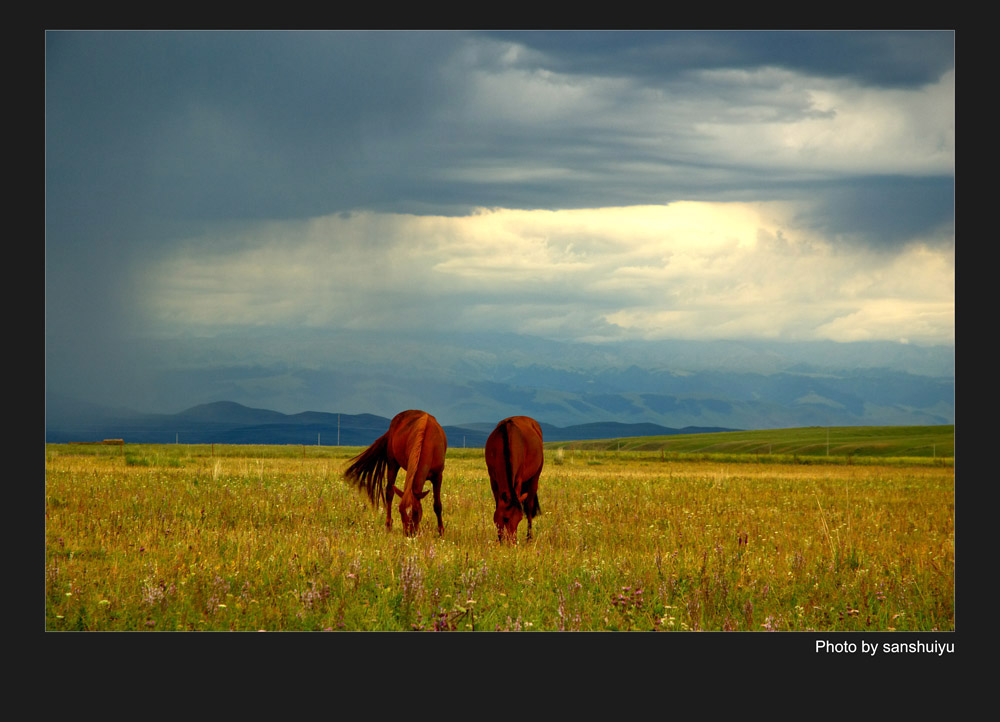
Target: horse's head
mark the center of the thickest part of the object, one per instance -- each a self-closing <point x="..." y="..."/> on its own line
<point x="506" y="517"/>
<point x="410" y="511"/>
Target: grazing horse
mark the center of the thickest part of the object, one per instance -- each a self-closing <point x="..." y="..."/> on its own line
<point x="416" y="442"/>
<point x="514" y="459"/>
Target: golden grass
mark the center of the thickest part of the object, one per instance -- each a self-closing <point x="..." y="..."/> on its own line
<point x="164" y="539"/>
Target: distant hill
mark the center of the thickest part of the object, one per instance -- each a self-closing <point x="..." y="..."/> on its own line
<point x="481" y="378"/>
<point x="226" y="422"/>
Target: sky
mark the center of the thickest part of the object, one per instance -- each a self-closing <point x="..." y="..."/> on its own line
<point x="590" y="186"/>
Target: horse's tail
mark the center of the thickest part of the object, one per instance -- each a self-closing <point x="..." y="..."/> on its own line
<point x="505" y="434"/>
<point x="367" y="469"/>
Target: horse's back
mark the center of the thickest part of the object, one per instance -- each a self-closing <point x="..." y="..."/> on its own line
<point x="416" y="431"/>
<point x="530" y="433"/>
<point x="524" y="441"/>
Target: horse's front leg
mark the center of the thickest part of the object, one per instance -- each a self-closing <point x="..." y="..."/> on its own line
<point x="531" y="509"/>
<point x="436" y="482"/>
<point x="390" y="491"/>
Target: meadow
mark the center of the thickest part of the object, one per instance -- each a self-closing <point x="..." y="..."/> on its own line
<point x="844" y="444"/>
<point x="176" y="537"/>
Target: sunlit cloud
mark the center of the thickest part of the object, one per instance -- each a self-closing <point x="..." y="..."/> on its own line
<point x="684" y="270"/>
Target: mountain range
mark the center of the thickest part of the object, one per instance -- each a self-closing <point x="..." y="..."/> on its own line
<point x="227" y="422"/>
<point x="467" y="378"/>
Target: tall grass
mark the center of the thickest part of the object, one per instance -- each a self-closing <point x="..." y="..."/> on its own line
<point x="248" y="538"/>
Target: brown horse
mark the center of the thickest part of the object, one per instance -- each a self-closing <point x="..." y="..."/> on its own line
<point x="514" y="459"/>
<point x="416" y="442"/>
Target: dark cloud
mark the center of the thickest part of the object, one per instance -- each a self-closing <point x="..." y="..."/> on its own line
<point x="172" y="126"/>
<point x="885" y="212"/>
<point x="236" y="124"/>
<point x="897" y="59"/>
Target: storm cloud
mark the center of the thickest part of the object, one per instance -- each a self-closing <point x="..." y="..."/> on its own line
<point x="592" y="186"/>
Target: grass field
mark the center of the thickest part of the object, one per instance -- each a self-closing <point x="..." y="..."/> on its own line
<point x="855" y="443"/>
<point x="175" y="537"/>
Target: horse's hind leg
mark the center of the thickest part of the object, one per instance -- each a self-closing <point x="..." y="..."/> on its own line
<point x="390" y="491"/>
<point x="435" y="477"/>
<point x="496" y="500"/>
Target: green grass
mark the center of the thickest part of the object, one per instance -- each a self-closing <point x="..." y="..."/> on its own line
<point x="178" y="537"/>
<point x="843" y="442"/>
